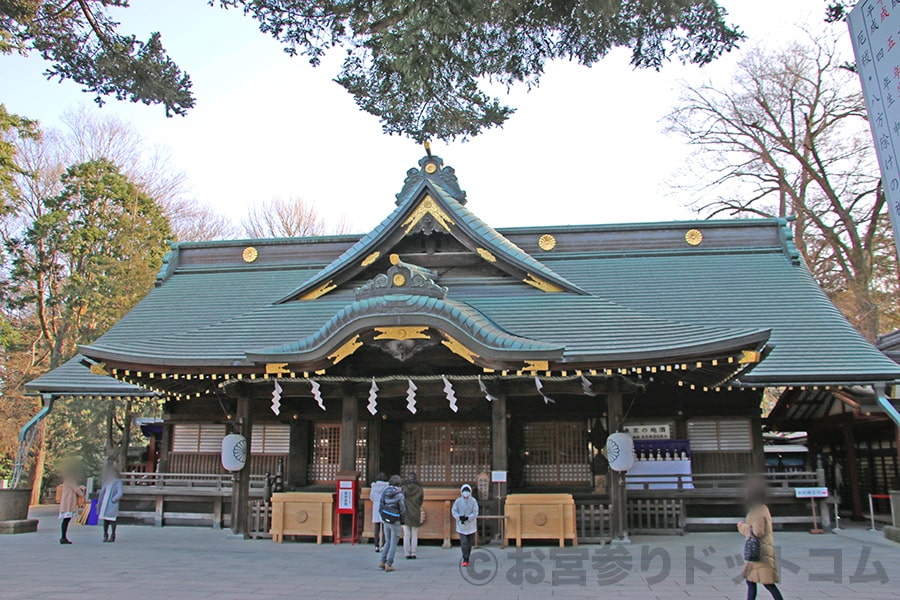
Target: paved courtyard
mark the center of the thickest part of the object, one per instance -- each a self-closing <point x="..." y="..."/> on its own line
<point x="192" y="563"/>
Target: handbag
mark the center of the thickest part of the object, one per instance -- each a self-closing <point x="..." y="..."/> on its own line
<point x="752" y="548"/>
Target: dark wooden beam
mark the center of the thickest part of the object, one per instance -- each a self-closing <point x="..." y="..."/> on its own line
<point x="373" y="450"/>
<point x="499" y="441"/>
<point x="349" y="429"/>
<point x="855" y="492"/>
<point x="617" y="496"/>
<point x="240" y="510"/>
<point x="298" y="463"/>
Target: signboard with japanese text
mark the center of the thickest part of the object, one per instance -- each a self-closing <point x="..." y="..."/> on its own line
<point x="345" y="496"/>
<point x="875" y="30"/>
<point x="811" y="492"/>
<point x="649" y="431"/>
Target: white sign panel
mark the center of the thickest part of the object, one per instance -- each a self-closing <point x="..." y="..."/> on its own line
<point x="345" y="499"/>
<point x="498" y="476"/>
<point x="659" y="431"/>
<point x="875" y="29"/>
<point x="811" y="492"/>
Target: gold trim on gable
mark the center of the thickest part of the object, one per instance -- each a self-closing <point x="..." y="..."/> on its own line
<point x="351" y="346"/>
<point x="428" y="206"/>
<point x="536" y="365"/>
<point x="544" y="286"/>
<point x="459" y="349"/>
<point x="415" y="332"/>
<point x="749" y="357"/>
<point x="319" y="291"/>
<point x="99" y="369"/>
<point x="486" y="255"/>
<point x="370" y="259"/>
<point x="276" y="369"/>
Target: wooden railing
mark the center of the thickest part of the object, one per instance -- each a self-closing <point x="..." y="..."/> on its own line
<point x="656" y="515"/>
<point x="725" y="484"/>
<point x="187" y="483"/>
<point x="592" y="521"/>
<point x="260" y="521"/>
<point x="211" y="463"/>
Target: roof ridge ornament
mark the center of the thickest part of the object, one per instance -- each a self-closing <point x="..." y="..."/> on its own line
<point x="431" y="168"/>
<point x="405" y="278"/>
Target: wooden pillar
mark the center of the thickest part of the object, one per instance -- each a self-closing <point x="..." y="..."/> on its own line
<point x="126" y="436"/>
<point x="349" y="429"/>
<point x="500" y="442"/>
<point x="373" y="451"/>
<point x="162" y="465"/>
<point x="298" y="463"/>
<point x="240" y="495"/>
<point x="850" y="447"/>
<point x="759" y="454"/>
<point x="617" y="495"/>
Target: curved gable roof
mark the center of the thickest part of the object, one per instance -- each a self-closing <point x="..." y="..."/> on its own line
<point x="431" y="198"/>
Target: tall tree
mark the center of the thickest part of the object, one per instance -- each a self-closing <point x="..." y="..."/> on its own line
<point x="790" y="136"/>
<point x="423" y="67"/>
<point x="77" y="260"/>
<point x="83" y="43"/>
<point x="287" y="217"/>
<point x="13" y="128"/>
<point x="89" y="255"/>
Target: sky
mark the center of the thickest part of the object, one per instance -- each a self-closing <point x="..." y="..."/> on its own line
<point x="586" y="146"/>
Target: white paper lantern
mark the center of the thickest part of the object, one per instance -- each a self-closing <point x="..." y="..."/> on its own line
<point x="620" y="451"/>
<point x="234" y="452"/>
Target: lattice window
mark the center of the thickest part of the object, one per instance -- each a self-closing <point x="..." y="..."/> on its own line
<point x="325" y="458"/>
<point x="712" y="435"/>
<point x="446" y="453"/>
<point x="271" y="439"/>
<point x="557" y="453"/>
<point x="197" y="438"/>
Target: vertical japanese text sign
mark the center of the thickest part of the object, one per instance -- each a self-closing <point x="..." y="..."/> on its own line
<point x="875" y="30"/>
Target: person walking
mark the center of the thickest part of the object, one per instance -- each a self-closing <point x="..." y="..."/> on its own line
<point x="375" y="492"/>
<point x="68" y="503"/>
<point x="465" y="511"/>
<point x="759" y="524"/>
<point x="413" y="495"/>
<point x="108" y="510"/>
<point x="393" y="514"/>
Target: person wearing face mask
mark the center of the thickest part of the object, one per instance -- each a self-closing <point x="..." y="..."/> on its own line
<point x="465" y="511"/>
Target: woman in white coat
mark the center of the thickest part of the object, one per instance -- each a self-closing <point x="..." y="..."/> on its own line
<point x="375" y="492"/>
<point x="108" y="510"/>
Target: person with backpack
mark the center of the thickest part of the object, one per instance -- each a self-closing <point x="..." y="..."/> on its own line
<point x="413" y="495"/>
<point x="465" y="511"/>
<point x="392" y="509"/>
<point x="375" y="493"/>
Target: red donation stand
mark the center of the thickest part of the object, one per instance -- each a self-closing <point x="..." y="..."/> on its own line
<point x="346" y="506"/>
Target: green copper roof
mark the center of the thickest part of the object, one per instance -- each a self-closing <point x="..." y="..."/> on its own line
<point x="74" y="378"/>
<point x="407" y="309"/>
<point x="643" y="293"/>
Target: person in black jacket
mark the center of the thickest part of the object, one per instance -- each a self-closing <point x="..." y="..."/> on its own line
<point x="393" y="513"/>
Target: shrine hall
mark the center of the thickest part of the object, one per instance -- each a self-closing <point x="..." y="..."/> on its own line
<point x="503" y="358"/>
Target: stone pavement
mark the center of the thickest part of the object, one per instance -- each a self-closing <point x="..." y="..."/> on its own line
<point x="192" y="563"/>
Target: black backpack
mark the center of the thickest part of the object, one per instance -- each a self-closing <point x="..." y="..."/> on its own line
<point x="389" y="516"/>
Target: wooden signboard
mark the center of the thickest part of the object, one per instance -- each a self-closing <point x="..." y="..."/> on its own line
<point x="541" y="517"/>
<point x="302" y="513"/>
